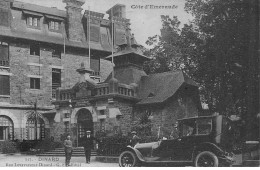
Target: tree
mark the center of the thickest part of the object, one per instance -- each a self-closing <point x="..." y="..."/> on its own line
<point x="213" y="50"/>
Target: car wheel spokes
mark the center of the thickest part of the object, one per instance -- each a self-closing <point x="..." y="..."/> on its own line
<point x="127" y="160"/>
<point x="205" y="161"/>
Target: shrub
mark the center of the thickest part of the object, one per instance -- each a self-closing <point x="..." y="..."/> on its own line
<point x="112" y="145"/>
<point x="9" y="147"/>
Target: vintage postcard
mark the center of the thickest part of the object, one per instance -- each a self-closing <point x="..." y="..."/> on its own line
<point x="127" y="83"/>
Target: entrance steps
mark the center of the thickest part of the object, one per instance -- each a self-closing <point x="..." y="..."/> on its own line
<point x="77" y="152"/>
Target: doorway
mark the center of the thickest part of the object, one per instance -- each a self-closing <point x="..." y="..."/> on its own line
<point x="84" y="123"/>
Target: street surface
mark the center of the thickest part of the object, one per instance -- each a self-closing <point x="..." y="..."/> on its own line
<point x="19" y="160"/>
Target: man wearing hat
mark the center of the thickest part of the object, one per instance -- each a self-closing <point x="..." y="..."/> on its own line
<point x="135" y="139"/>
<point x="88" y="144"/>
<point x="68" y="150"/>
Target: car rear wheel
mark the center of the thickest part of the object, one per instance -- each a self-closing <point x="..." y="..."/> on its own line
<point x="128" y="159"/>
<point x="206" y="159"/>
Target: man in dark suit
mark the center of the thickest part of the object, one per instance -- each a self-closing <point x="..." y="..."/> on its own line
<point x="135" y="139"/>
<point x="88" y="144"/>
<point x="68" y="150"/>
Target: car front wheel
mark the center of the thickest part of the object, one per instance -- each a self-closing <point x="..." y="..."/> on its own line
<point x="128" y="159"/>
<point x="206" y="159"/>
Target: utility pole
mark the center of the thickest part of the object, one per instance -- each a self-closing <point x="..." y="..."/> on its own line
<point x="36" y="120"/>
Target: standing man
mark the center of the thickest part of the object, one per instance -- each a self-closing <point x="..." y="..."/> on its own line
<point x="135" y="139"/>
<point x="68" y="150"/>
<point x="88" y="144"/>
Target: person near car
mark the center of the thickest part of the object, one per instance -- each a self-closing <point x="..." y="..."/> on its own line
<point x="88" y="140"/>
<point x="135" y="139"/>
<point x="68" y="150"/>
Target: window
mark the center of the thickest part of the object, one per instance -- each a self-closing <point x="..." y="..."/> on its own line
<point x="56" y="53"/>
<point x="4" y="17"/>
<point x="204" y="126"/>
<point x="4" y="85"/>
<point x="196" y="127"/>
<point x="66" y="124"/>
<point x="34" y="132"/>
<point x="54" y="25"/>
<point x="56" y="81"/>
<point x="4" y="54"/>
<point x="102" y="112"/>
<point x="102" y="125"/>
<point x="6" y="128"/>
<point x="35" y="49"/>
<point x="35" y="83"/>
<point x="33" y="22"/>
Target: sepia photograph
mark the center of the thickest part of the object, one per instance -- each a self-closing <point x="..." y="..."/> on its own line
<point x="129" y="83"/>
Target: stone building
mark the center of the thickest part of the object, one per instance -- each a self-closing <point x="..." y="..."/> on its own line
<point x="40" y="50"/>
<point x="45" y="68"/>
<point x="128" y="93"/>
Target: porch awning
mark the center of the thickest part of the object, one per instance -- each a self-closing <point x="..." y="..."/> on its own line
<point x="114" y="112"/>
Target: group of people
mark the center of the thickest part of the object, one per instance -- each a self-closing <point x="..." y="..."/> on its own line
<point x="87" y="142"/>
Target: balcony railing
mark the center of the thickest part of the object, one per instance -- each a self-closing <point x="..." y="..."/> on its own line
<point x="100" y="90"/>
<point x="95" y="73"/>
<point x="4" y="63"/>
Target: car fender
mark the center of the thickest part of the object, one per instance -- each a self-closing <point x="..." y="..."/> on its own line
<point x="137" y="153"/>
<point x="207" y="146"/>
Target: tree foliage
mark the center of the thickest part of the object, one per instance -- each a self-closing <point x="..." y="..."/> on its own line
<point x="212" y="49"/>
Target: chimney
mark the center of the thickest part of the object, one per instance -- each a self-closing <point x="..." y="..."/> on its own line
<point x="117" y="10"/>
<point x="74" y="19"/>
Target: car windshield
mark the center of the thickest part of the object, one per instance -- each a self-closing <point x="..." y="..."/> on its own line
<point x="196" y="127"/>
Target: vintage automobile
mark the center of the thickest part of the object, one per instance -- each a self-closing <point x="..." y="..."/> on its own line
<point x="203" y="141"/>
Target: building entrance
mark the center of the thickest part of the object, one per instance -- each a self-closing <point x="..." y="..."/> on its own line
<point x="84" y="123"/>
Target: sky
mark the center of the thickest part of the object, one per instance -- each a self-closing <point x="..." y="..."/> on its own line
<point x="144" y="22"/>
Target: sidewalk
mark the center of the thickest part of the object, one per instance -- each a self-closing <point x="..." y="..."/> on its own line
<point x="19" y="160"/>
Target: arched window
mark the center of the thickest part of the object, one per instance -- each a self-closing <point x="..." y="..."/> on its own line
<point x="6" y="128"/>
<point x="31" y="132"/>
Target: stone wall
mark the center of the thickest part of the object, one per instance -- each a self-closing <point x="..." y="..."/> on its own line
<point x="164" y="116"/>
<point x="124" y="122"/>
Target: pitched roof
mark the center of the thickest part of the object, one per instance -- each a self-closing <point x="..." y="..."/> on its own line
<point x="40" y="9"/>
<point x="156" y="88"/>
<point x="128" y="51"/>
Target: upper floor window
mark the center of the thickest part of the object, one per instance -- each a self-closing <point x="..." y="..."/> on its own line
<point x="32" y="19"/>
<point x="56" y="52"/>
<point x="4" y="17"/>
<point x="4" y="85"/>
<point x="4" y="54"/>
<point x="33" y="22"/>
<point x="54" y="22"/>
<point x="35" y="49"/>
<point x="54" y="25"/>
<point x="35" y="83"/>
